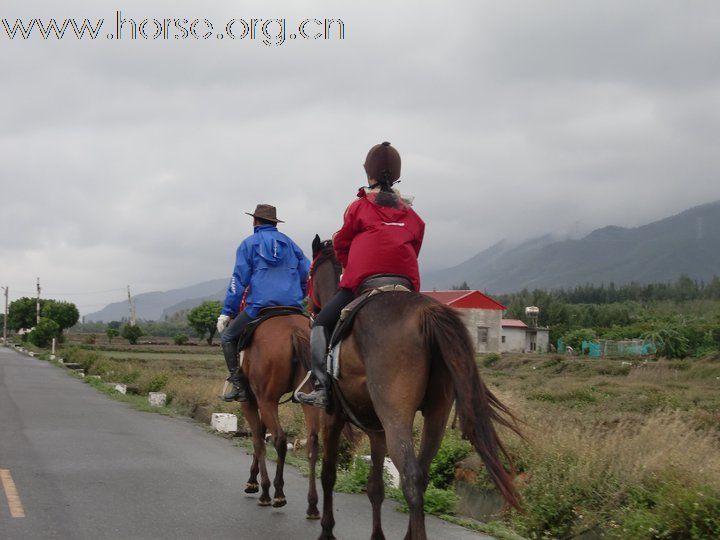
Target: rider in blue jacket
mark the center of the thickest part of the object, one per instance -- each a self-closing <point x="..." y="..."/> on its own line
<point x="274" y="272"/>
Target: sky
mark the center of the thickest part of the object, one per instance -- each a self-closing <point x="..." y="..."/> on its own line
<point x="132" y="162"/>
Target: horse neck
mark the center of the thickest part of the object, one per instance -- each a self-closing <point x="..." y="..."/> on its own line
<point x="326" y="279"/>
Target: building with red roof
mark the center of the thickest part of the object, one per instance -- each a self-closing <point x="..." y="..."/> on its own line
<point x="482" y="315"/>
<point x="519" y="337"/>
<point x="490" y="332"/>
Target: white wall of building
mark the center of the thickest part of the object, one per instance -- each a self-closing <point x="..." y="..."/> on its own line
<point x="481" y="323"/>
<point x="514" y="339"/>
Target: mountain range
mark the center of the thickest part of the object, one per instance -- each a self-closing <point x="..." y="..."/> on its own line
<point x="153" y="306"/>
<point x="684" y="244"/>
<point x="687" y="243"/>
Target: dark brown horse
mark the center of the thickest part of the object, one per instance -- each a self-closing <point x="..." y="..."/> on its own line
<point x="275" y="363"/>
<point x="407" y="353"/>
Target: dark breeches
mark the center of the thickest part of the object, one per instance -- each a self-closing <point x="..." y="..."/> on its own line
<point x="330" y="313"/>
<point x="235" y="329"/>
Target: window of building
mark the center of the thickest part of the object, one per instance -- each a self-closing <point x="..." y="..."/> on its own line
<point x="503" y="339"/>
<point x="482" y="335"/>
<point x="533" y="346"/>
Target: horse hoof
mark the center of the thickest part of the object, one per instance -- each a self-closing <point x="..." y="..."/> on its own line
<point x="264" y="503"/>
<point x="279" y="502"/>
<point x="312" y="516"/>
<point x="251" y="488"/>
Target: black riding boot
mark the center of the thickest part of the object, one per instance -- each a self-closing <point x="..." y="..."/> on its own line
<point x="318" y="346"/>
<point x="237" y="391"/>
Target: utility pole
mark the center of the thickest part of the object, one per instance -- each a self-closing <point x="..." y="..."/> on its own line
<point x="37" y="303"/>
<point x="131" y="305"/>
<point x="6" y="316"/>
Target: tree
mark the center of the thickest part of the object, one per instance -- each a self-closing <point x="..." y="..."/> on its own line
<point x="44" y="332"/>
<point x="462" y="287"/>
<point x="203" y="318"/>
<point x="115" y="325"/>
<point x="668" y="340"/>
<point x="575" y="338"/>
<point x="111" y="333"/>
<point x="64" y="313"/>
<point x="131" y="333"/>
<point x="22" y="313"/>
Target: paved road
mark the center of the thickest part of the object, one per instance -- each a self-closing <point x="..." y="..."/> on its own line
<point x="86" y="466"/>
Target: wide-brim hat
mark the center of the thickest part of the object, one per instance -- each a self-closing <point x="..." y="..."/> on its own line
<point x="267" y="212"/>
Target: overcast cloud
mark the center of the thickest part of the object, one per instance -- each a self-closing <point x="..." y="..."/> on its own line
<point x="132" y="162"/>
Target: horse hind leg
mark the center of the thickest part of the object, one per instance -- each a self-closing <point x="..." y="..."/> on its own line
<point x="376" y="483"/>
<point x="257" y="427"/>
<point x="312" y="427"/>
<point x="402" y="452"/>
<point x="436" y="411"/>
<point x="269" y="412"/>
<point x="331" y="442"/>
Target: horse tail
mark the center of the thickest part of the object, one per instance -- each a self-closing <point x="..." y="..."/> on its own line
<point x="447" y="339"/>
<point x="301" y="348"/>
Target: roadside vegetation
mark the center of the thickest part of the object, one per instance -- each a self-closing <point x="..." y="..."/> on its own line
<point x="625" y="447"/>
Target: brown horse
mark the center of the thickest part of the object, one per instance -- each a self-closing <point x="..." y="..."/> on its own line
<point x="270" y="364"/>
<point x="406" y="353"/>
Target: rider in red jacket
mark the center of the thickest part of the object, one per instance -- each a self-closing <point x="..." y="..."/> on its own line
<point x="381" y="234"/>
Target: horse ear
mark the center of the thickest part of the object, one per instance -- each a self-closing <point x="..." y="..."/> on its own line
<point x="316" y="245"/>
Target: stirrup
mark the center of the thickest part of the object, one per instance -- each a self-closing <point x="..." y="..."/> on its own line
<point x="236" y="393"/>
<point x="316" y="398"/>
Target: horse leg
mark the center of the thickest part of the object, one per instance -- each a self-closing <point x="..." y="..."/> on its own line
<point x="331" y="442"/>
<point x="402" y="452"/>
<point x="251" y="415"/>
<point x="269" y="412"/>
<point x="436" y="411"/>
<point x="258" y="432"/>
<point x="376" y="483"/>
<point x="312" y="427"/>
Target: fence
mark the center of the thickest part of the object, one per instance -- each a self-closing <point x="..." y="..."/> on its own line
<point x="606" y="347"/>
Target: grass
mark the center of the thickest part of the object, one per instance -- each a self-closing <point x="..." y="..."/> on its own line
<point x="627" y="453"/>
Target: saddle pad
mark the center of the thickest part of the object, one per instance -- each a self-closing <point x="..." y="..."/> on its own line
<point x="264" y="315"/>
<point x="344" y="324"/>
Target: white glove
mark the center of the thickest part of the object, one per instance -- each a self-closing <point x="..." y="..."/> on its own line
<point x="222" y="324"/>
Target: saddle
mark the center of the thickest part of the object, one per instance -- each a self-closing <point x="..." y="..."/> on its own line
<point x="372" y="286"/>
<point x="264" y="315"/>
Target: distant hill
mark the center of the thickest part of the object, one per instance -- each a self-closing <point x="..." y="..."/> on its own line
<point x="687" y="243"/>
<point x="153" y="305"/>
<point x="192" y="302"/>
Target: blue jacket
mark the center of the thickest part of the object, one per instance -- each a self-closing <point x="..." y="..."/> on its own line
<point x="275" y="269"/>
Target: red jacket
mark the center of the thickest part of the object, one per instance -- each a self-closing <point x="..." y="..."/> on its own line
<point x="378" y="239"/>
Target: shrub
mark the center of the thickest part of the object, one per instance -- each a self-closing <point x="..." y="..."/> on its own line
<point x="575" y="338"/>
<point x="155" y="383"/>
<point x="668" y="340"/>
<point x="43" y="334"/>
<point x="355" y="478"/>
<point x="86" y="359"/>
<point x="111" y="333"/>
<point x="90" y="340"/>
<point x="674" y="511"/>
<point x="490" y="359"/>
<point x="442" y="468"/>
<point x="436" y="500"/>
<point x="132" y="333"/>
<point x="180" y="339"/>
